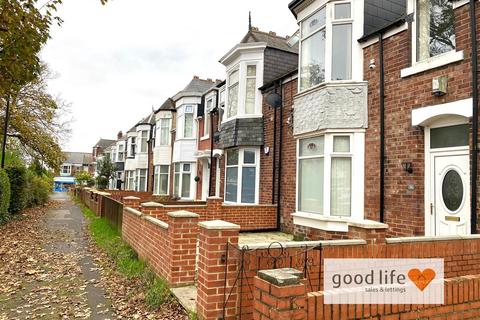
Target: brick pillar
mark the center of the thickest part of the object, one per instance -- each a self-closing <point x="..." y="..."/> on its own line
<point x="132" y="202"/>
<point x="183" y="234"/>
<point x="154" y="209"/>
<point x="279" y="294"/>
<point x="214" y="208"/>
<point x="214" y="236"/>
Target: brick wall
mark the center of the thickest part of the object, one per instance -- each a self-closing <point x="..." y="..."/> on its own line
<point x="404" y="209"/>
<point x="256" y="217"/>
<point x="169" y="247"/>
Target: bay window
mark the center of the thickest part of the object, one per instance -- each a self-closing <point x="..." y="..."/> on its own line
<point x="143" y="141"/>
<point x="435" y="28"/>
<point x="251" y="89"/>
<point x="233" y="83"/>
<point x="182" y="180"/>
<point x="160" y="182"/>
<point x="241" y="175"/>
<point x="326" y="45"/>
<point x="130" y="178"/>
<point x="131" y="147"/>
<point x="325" y="175"/>
<point x="206" y="122"/>
<point x="163" y="132"/>
<point x="141" y="180"/>
<point x="188" y="122"/>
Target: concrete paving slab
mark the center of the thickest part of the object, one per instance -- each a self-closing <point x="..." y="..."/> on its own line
<point x="187" y="296"/>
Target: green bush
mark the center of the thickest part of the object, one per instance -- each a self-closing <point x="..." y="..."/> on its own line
<point x="4" y="194"/>
<point x="102" y="182"/>
<point x="38" y="189"/>
<point x="18" y="186"/>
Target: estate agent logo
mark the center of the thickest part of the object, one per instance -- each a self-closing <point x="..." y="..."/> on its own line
<point x="383" y="281"/>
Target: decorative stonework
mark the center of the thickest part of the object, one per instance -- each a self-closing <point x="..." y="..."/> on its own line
<point x="332" y="106"/>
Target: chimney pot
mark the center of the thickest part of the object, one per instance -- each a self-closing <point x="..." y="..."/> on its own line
<point x="195" y="77"/>
<point x="272" y="33"/>
<point x="120" y="135"/>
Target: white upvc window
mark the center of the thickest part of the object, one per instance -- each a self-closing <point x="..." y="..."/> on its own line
<point x="121" y="153"/>
<point x="241" y="175"/>
<point x="182" y="180"/>
<point x="163" y="132"/>
<point x="233" y="86"/>
<point x="130" y="177"/>
<point x="327" y="167"/>
<point x="141" y="180"/>
<point x="326" y="45"/>
<point x="67" y="169"/>
<point x="206" y="121"/>
<point x="188" y="122"/>
<point x="161" y="178"/>
<point x="434" y="29"/>
<point x="143" y="137"/>
<point x="131" y="147"/>
<point x="250" y="89"/>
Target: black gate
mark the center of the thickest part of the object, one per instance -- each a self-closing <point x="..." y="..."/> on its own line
<point x="243" y="263"/>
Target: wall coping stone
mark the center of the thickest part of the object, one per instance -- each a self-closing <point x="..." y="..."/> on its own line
<point x="299" y="244"/>
<point x="433" y="238"/>
<point x="218" y="225"/>
<point x="133" y="211"/>
<point x="131" y="198"/>
<point x="157" y="222"/>
<point x="151" y="205"/>
<point x="214" y="198"/>
<point x="182" y="214"/>
<point x="281" y="277"/>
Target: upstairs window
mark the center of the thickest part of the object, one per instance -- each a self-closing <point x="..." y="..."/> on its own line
<point x="188" y="124"/>
<point x="163" y="132"/>
<point x="233" y="82"/>
<point x="251" y="89"/>
<point x="326" y="45"/>
<point x="132" y="149"/>
<point x="435" y="28"/>
<point x="143" y="141"/>
<point x="206" y="122"/>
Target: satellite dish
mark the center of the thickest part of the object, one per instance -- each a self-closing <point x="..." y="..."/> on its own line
<point x="275" y="100"/>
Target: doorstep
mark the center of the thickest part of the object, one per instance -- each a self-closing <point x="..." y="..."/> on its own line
<point x="254" y="238"/>
<point x="187" y="296"/>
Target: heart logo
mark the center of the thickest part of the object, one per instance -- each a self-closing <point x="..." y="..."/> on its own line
<point x="421" y="278"/>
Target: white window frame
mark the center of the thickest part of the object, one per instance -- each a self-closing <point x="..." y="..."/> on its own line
<point x="138" y="177"/>
<point x="221" y="107"/>
<point x="357" y="154"/>
<point x="185" y="112"/>
<point x="180" y="175"/>
<point x="432" y="62"/>
<point x="130" y="178"/>
<point x="158" y="173"/>
<point x="239" y="167"/>
<point x="142" y="140"/>
<point x="68" y="171"/>
<point x="161" y="124"/>
<point x="132" y="145"/>
<point x="329" y="22"/>
<point x="206" y="118"/>
<point x="241" y="67"/>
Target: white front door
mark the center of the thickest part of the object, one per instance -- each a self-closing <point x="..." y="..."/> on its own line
<point x="205" y="180"/>
<point x="450" y="205"/>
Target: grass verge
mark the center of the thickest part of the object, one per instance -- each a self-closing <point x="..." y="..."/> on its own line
<point x="126" y="259"/>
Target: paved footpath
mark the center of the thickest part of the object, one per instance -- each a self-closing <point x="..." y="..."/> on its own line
<point x="46" y="269"/>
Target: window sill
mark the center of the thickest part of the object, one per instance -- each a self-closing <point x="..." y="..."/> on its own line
<point x="232" y="204"/>
<point x="243" y="116"/>
<point x="204" y="138"/>
<point x="432" y="63"/>
<point x="329" y="84"/>
<point x="338" y="224"/>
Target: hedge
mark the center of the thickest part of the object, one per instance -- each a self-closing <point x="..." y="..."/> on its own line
<point x="38" y="189"/>
<point x="4" y="194"/>
<point x="18" y="188"/>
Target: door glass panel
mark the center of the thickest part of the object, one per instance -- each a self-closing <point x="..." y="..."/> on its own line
<point x="452" y="190"/>
<point x="453" y="136"/>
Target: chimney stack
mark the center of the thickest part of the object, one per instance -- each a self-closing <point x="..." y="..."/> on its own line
<point x="272" y="33"/>
<point x="195" y="77"/>
<point x="120" y="135"/>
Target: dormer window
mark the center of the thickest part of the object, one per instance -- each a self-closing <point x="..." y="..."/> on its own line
<point x="326" y="45"/>
<point x="435" y="28"/>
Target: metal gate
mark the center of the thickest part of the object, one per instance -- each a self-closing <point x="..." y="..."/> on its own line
<point x="242" y="265"/>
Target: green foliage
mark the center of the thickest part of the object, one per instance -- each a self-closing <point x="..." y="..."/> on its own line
<point x="84" y="178"/>
<point x="18" y="187"/>
<point x="106" y="171"/>
<point x="126" y="260"/>
<point x="39" y="188"/>
<point x="4" y="195"/>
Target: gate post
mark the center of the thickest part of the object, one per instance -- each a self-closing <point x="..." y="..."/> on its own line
<point x="216" y="273"/>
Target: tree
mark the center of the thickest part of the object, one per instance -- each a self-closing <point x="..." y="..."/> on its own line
<point x="84" y="178"/>
<point x="106" y="171"/>
<point x="37" y="121"/>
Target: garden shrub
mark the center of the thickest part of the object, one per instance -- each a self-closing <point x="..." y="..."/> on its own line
<point x="38" y="190"/>
<point x="4" y="195"/>
<point x="18" y="187"/>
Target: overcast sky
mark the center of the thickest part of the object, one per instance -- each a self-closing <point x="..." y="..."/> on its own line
<point x="115" y="62"/>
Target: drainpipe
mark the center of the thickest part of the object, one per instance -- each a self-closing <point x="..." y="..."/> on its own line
<point x="473" y="36"/>
<point x="274" y="152"/>
<point x="217" y="97"/>
<point x="382" y="129"/>
<point x="279" y="186"/>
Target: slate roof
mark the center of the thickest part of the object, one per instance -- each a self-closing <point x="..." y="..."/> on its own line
<point x="196" y="87"/>
<point x="270" y="38"/>
<point x="78" y="158"/>
<point x="103" y="143"/>
<point x="168" y="105"/>
<point x="150" y="119"/>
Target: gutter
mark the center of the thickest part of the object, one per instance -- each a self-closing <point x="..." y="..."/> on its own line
<point x="473" y="185"/>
